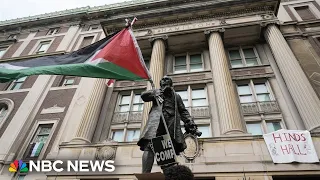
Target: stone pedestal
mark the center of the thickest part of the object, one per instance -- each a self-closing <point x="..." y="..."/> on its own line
<point x="227" y="103"/>
<point x="305" y="98"/>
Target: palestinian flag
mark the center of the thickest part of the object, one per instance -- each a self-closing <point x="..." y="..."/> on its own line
<point x="117" y="56"/>
<point x="36" y="149"/>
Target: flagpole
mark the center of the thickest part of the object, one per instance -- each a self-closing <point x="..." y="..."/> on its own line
<point x="129" y="25"/>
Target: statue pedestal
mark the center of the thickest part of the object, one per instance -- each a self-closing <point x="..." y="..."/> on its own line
<point x="148" y="176"/>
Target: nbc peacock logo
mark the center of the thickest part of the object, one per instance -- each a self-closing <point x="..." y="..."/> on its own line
<point x="18" y="164"/>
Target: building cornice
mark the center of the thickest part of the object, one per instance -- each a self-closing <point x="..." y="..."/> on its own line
<point x="79" y="11"/>
<point x="140" y="8"/>
<point x="160" y="17"/>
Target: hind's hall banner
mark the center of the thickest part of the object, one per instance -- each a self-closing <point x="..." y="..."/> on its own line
<point x="286" y="146"/>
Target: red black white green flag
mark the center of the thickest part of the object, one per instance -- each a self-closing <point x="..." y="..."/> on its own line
<point x="117" y="56"/>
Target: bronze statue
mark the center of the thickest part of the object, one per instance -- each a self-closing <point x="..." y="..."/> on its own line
<point x="173" y="109"/>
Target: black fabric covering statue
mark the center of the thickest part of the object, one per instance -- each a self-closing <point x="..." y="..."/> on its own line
<point x="173" y="111"/>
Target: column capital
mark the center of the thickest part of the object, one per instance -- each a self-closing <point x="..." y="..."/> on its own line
<point x="163" y="37"/>
<point x="265" y="24"/>
<point x="219" y="30"/>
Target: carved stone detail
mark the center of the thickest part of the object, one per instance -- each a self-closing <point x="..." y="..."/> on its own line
<point x="193" y="77"/>
<point x="53" y="109"/>
<point x="209" y="31"/>
<point x="267" y="16"/>
<point x="164" y="38"/>
<point x="269" y="107"/>
<point x="106" y="153"/>
<point x="121" y="117"/>
<point x="200" y="111"/>
<point x="130" y="83"/>
<point x="179" y="21"/>
<point x="223" y="22"/>
<point x="135" y="117"/>
<point x="315" y="77"/>
<point x="264" y="107"/>
<point x="265" y="24"/>
<point x="81" y="100"/>
<point x="250" y="108"/>
<point x="252" y="72"/>
<point x="192" y="149"/>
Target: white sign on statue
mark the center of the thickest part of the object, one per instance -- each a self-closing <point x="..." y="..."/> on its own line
<point x="286" y="146"/>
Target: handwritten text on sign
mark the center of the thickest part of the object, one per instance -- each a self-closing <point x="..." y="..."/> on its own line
<point x="287" y="146"/>
<point x="163" y="150"/>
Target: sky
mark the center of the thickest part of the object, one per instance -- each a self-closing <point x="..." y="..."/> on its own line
<point x="11" y="9"/>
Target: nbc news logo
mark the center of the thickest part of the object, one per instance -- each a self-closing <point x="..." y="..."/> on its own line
<point x="57" y="166"/>
<point x="18" y="166"/>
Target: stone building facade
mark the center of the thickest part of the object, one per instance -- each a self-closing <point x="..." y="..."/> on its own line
<point x="242" y="68"/>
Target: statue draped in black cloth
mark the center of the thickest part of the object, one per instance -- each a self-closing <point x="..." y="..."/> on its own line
<point x="173" y="111"/>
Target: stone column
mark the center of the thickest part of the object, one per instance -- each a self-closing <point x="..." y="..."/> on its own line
<point x="156" y="69"/>
<point x="90" y="116"/>
<point x="306" y="100"/>
<point x="227" y="101"/>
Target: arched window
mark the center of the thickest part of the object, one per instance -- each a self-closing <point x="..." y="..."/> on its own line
<point x="6" y="106"/>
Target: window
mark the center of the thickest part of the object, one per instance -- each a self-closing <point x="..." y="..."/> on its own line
<point x="39" y="139"/>
<point x="93" y="27"/>
<point x="3" y="51"/>
<point x="17" y="84"/>
<point x="53" y="31"/>
<point x="180" y="65"/>
<point x="117" y="135"/>
<point x="193" y="97"/>
<point x="254" y="128"/>
<point x="205" y="129"/>
<point x="254" y="92"/>
<point x="127" y="117"/>
<point x="243" y="57"/>
<point x="131" y="135"/>
<point x="124" y="104"/>
<point x="196" y="63"/>
<point x="273" y="126"/>
<point x="137" y="104"/>
<point x="195" y="101"/>
<point x="86" y="41"/>
<point x="188" y="63"/>
<point x="132" y="102"/>
<point x="305" y="13"/>
<point x="67" y="81"/>
<point x="43" y="47"/>
<point x="263" y="126"/>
